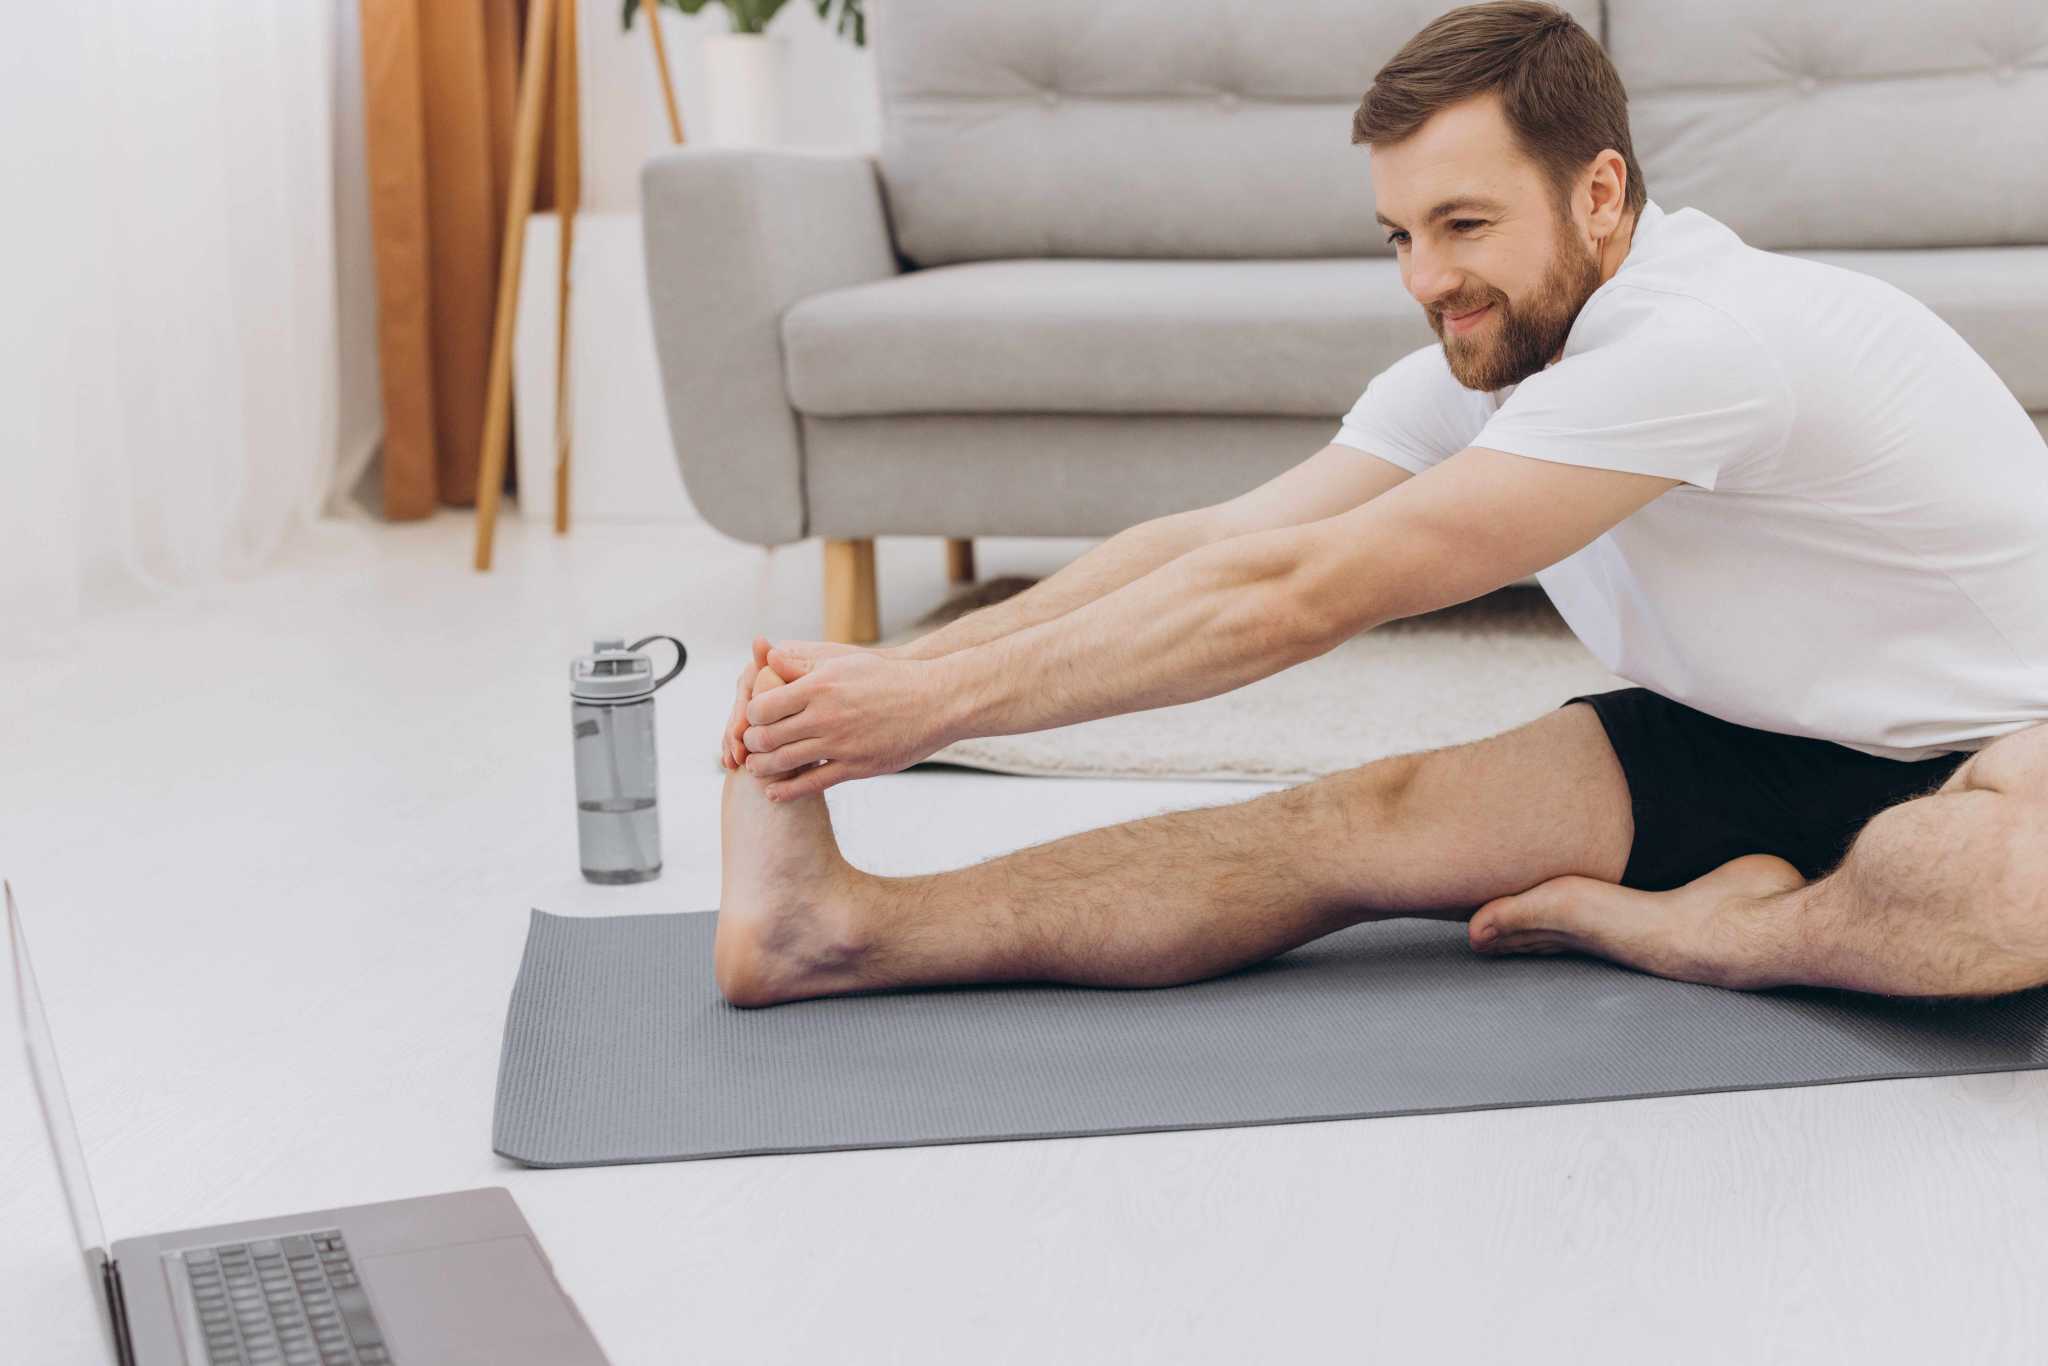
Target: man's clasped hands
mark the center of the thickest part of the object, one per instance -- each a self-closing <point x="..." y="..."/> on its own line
<point x="825" y="713"/>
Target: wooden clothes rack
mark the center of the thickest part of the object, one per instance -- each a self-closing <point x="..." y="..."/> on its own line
<point x="550" y="44"/>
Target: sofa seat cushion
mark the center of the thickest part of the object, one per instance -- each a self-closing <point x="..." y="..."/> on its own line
<point x="1268" y="338"/>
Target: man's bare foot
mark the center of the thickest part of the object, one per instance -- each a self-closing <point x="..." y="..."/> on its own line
<point x="1711" y="930"/>
<point x="787" y="922"/>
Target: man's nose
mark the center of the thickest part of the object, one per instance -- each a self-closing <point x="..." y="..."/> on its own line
<point x="1430" y="283"/>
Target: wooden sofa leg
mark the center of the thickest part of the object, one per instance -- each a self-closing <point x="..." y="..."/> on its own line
<point x="960" y="561"/>
<point x="850" y="612"/>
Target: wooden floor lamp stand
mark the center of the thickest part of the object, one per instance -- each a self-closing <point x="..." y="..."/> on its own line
<point x="550" y="43"/>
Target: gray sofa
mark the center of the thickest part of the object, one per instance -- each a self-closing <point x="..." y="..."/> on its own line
<point x="1117" y="258"/>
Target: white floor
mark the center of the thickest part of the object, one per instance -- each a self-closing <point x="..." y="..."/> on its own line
<point x="276" y="847"/>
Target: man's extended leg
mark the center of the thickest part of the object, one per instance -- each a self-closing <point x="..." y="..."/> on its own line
<point x="1943" y="895"/>
<point x="1180" y="896"/>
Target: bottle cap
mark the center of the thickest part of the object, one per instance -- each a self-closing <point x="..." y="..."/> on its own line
<point x="612" y="674"/>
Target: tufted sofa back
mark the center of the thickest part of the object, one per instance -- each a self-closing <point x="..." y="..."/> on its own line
<point x="1174" y="128"/>
<point x="1842" y="123"/>
<point x="1222" y="128"/>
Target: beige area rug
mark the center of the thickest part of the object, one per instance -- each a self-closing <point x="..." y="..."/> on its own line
<point x="1446" y="678"/>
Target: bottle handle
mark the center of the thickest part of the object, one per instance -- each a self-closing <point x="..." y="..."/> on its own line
<point x="682" y="658"/>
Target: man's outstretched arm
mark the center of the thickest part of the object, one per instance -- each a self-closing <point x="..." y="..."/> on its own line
<point x="1335" y="479"/>
<point x="1246" y="608"/>
<point x="1209" y="621"/>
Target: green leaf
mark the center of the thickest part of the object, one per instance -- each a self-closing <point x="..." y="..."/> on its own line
<point x="851" y="16"/>
<point x="753" y="16"/>
<point x="632" y="7"/>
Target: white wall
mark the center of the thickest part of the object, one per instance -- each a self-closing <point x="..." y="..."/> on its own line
<point x="832" y="99"/>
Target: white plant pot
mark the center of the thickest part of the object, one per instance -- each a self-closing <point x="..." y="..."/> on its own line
<point x="743" y="80"/>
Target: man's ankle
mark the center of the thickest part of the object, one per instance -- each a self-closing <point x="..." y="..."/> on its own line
<point x="1773" y="937"/>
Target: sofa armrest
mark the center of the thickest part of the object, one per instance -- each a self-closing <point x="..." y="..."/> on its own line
<point x="733" y="238"/>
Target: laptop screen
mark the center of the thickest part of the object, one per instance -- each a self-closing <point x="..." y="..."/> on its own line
<point x="67" y="1156"/>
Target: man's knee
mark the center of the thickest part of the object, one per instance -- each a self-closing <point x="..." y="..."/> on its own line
<point x="1549" y="794"/>
<point x="1378" y="793"/>
<point x="1992" y="820"/>
<point x="2019" y="840"/>
<point x="1388" y="786"/>
<point x="1962" y="878"/>
<point x="2015" y="765"/>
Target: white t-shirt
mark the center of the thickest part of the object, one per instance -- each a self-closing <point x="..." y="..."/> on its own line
<point x="1859" y="552"/>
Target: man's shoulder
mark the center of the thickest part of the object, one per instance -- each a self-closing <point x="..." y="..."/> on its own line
<point x="1649" y="326"/>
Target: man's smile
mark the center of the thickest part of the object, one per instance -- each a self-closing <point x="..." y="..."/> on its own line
<point x="1462" y="322"/>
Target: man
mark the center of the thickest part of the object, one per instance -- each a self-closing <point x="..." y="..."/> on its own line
<point x="1785" y="498"/>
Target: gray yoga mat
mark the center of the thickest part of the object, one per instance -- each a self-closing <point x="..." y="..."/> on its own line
<point x="618" y="1047"/>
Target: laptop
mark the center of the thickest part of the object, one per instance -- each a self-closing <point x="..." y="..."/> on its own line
<point x="455" y="1278"/>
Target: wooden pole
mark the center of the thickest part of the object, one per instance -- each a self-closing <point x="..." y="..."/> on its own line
<point x="652" y="13"/>
<point x="568" y="199"/>
<point x="533" y="78"/>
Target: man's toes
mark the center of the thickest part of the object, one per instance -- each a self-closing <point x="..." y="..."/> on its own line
<point x="1530" y="941"/>
<point x="1543" y="913"/>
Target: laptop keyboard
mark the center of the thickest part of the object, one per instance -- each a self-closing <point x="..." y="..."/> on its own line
<point x="292" y="1301"/>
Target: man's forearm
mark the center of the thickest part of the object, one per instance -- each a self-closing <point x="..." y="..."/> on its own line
<point x="1204" y="623"/>
<point x="1124" y="557"/>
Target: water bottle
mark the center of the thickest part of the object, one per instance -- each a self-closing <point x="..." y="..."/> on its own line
<point x="611" y="707"/>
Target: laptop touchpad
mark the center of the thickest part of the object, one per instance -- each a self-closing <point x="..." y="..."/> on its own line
<point x="479" y="1304"/>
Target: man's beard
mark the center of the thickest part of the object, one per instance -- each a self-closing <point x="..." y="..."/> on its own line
<point x="1519" y="340"/>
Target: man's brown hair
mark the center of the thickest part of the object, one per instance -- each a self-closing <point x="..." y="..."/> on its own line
<point x="1562" y="97"/>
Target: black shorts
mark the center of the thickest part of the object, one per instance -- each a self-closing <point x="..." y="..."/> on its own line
<point x="1705" y="791"/>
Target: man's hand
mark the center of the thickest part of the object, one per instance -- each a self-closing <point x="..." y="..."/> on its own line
<point x="732" y="747"/>
<point x="844" y="713"/>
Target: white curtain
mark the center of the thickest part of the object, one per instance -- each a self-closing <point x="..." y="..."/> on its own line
<point x="173" y="373"/>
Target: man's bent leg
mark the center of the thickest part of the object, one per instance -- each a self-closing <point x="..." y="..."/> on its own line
<point x="1946" y="895"/>
<point x="1942" y="895"/>
<point x="1181" y="896"/>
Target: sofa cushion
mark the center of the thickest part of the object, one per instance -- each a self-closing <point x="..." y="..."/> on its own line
<point x="1272" y="338"/>
<point x="1266" y="338"/>
<point x="1842" y="123"/>
<point x="1221" y="128"/>
<point x="1159" y="128"/>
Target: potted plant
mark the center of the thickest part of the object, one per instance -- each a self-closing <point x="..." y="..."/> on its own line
<point x="743" y="68"/>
